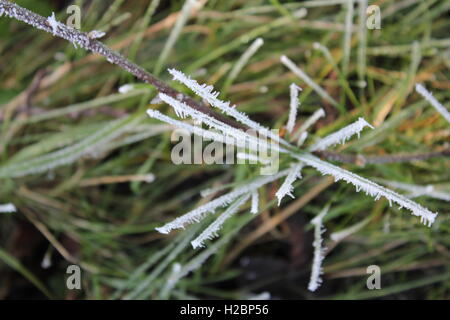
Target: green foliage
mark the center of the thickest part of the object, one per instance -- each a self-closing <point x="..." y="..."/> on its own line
<point x="80" y="215"/>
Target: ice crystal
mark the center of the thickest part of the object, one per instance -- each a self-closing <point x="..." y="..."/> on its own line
<point x="316" y="269"/>
<point x="211" y="231"/>
<point x="294" y="90"/>
<point x="208" y="94"/>
<point x="341" y="136"/>
<point x="287" y="187"/>
<point x="198" y="213"/>
<point x="255" y="202"/>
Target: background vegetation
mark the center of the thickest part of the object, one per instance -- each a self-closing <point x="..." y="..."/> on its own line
<point x="96" y="211"/>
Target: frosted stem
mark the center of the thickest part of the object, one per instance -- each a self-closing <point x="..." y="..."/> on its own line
<point x="197" y="214"/>
<point x="432" y="100"/>
<point x="188" y="127"/>
<point x="287" y="188"/>
<point x="302" y="138"/>
<point x="211" y="231"/>
<point x="208" y="93"/>
<point x="174" y="34"/>
<point x="302" y="75"/>
<point x="340" y="235"/>
<point x="371" y="188"/>
<point x="347" y="37"/>
<point x="307" y="124"/>
<point x="417" y="190"/>
<point x="316" y="269"/>
<point x="7" y="208"/>
<point x="243" y="60"/>
<point x="182" y="110"/>
<point x="294" y="91"/>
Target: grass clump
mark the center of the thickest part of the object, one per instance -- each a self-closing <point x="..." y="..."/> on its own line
<point x="74" y="151"/>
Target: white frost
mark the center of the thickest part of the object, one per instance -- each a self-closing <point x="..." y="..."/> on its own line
<point x="316" y="269"/>
<point x="433" y="101"/>
<point x="302" y="75"/>
<point x="370" y="188"/>
<point x="342" y="234"/>
<point x="294" y="90"/>
<point x="211" y="231"/>
<point x="182" y="110"/>
<point x="287" y="187"/>
<point x="53" y="23"/>
<point x="188" y="127"/>
<point x="7" y="208"/>
<point x="255" y="202"/>
<point x="208" y="93"/>
<point x="307" y="124"/>
<point x="341" y="136"/>
<point x="252" y="158"/>
<point x="198" y="213"/>
<point x="96" y="34"/>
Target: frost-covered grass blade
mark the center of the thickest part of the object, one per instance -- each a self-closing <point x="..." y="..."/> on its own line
<point x="370" y="188"/>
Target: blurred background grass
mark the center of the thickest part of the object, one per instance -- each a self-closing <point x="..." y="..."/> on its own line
<point x="53" y="96"/>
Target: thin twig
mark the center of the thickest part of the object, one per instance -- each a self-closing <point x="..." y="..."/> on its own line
<point x="83" y="40"/>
